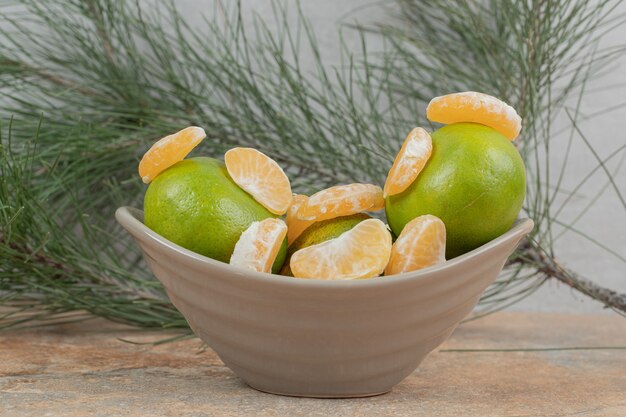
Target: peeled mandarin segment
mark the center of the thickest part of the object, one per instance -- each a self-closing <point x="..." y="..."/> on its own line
<point x="342" y="200"/>
<point x="362" y="252"/>
<point x="261" y="177"/>
<point x="294" y="224"/>
<point x="475" y="107"/>
<point x="422" y="243"/>
<point x="259" y="245"/>
<point x="169" y="150"/>
<point x="409" y="162"/>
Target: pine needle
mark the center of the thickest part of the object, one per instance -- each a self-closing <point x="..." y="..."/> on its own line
<point x="90" y="84"/>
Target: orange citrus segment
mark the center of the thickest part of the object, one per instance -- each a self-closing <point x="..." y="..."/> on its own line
<point x="261" y="177"/>
<point x="342" y="200"/>
<point x="422" y="243"/>
<point x="362" y="252"/>
<point x="169" y="150"/>
<point x="475" y="107"/>
<point x="409" y="162"/>
<point x="259" y="244"/>
<point x="294" y="224"/>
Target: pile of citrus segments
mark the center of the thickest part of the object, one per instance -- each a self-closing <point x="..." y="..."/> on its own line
<point x="367" y="249"/>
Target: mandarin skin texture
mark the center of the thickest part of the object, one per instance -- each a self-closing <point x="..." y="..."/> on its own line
<point x="474" y="181"/>
<point x="196" y="205"/>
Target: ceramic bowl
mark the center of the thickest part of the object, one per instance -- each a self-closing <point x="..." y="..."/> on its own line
<point x="320" y="338"/>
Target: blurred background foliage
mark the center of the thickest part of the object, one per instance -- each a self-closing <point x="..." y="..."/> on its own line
<point x="88" y="85"/>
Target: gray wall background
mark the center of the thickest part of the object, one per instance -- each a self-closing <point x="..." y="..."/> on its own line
<point x="605" y="221"/>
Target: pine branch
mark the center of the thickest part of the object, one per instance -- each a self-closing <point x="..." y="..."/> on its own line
<point x="43" y="75"/>
<point x="518" y="51"/>
<point x="109" y="80"/>
<point x="97" y="16"/>
<point x="28" y="254"/>
<point x="552" y="268"/>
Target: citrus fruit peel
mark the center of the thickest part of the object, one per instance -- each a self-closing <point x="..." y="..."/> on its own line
<point x="259" y="244"/>
<point x="169" y="150"/>
<point x="474" y="182"/>
<point x="342" y="200"/>
<point x="409" y="162"/>
<point x="422" y="243"/>
<point x="362" y="252"/>
<point x="261" y="177"/>
<point x="470" y="106"/>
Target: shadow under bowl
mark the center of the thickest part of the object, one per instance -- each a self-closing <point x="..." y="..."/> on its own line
<point x="321" y="338"/>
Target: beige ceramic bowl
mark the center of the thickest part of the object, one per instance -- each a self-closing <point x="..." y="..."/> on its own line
<point x="320" y="338"/>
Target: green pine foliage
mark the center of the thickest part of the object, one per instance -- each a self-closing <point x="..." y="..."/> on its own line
<point x="88" y="85"/>
<point x="538" y="56"/>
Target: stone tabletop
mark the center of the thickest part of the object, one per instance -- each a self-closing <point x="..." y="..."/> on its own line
<point x="84" y="369"/>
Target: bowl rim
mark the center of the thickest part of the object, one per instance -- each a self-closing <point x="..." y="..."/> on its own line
<point x="128" y="217"/>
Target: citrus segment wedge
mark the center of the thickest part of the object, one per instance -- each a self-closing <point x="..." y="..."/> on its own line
<point x="342" y="200"/>
<point x="169" y="150"/>
<point x="422" y="243"/>
<point x="362" y="252"/>
<point x="259" y="245"/>
<point x="261" y="177"/>
<point x="294" y="224"/>
<point x="474" y="107"/>
<point x="409" y="162"/>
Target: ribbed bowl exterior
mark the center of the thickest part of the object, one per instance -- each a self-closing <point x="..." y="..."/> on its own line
<point x="321" y="338"/>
